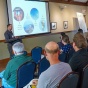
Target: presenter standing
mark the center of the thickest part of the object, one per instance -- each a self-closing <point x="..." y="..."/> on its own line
<point x="10" y="39"/>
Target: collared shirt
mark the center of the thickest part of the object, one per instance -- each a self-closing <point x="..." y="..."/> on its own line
<point x="10" y="38"/>
<point x="8" y="35"/>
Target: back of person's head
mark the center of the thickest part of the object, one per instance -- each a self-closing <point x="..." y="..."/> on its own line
<point x="62" y="33"/>
<point x="51" y="47"/>
<point x="80" y="30"/>
<point x="51" y="52"/>
<point x="65" y="38"/>
<point x="18" y="48"/>
<point x="79" y="41"/>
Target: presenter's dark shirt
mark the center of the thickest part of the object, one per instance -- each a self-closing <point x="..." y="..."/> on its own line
<point x="79" y="60"/>
<point x="8" y="36"/>
<point x="10" y="39"/>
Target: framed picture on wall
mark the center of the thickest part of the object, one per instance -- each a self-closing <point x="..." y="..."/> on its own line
<point x="65" y="24"/>
<point x="53" y="25"/>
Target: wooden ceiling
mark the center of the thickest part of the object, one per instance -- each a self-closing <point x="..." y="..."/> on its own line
<point x="75" y="2"/>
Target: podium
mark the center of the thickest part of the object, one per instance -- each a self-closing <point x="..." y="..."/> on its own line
<point x="14" y="40"/>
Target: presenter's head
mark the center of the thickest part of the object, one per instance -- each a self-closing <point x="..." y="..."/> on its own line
<point x="18" y="48"/>
<point x="9" y="27"/>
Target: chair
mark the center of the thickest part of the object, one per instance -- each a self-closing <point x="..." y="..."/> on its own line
<point x="43" y="65"/>
<point x="85" y="77"/>
<point x="69" y="55"/>
<point x="69" y="81"/>
<point x="25" y="74"/>
<point x="62" y="57"/>
<point x="36" y="54"/>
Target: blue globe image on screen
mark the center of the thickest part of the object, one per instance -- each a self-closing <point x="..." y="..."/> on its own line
<point x="28" y="27"/>
<point x="34" y="13"/>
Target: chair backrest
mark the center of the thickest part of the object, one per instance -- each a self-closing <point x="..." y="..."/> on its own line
<point x="69" y="55"/>
<point x="36" y="53"/>
<point x="85" y="77"/>
<point x="69" y="81"/>
<point x="25" y="74"/>
<point x="43" y="65"/>
<point x="62" y="57"/>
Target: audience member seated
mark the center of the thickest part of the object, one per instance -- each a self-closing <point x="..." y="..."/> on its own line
<point x="80" y="58"/>
<point x="60" y="43"/>
<point x="9" y="75"/>
<point x="67" y="46"/>
<point x="80" y="31"/>
<point x="57" y="70"/>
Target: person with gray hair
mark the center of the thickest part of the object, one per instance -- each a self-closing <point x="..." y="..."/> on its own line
<point x="18" y="48"/>
<point x="9" y="75"/>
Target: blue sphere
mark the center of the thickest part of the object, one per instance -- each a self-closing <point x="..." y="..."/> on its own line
<point x="34" y="13"/>
<point x="28" y="27"/>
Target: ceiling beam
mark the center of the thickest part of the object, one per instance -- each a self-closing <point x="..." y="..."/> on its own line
<point x="69" y="2"/>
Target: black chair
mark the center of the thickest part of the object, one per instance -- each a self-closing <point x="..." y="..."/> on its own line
<point x="85" y="77"/>
<point x="69" y="81"/>
<point x="43" y="65"/>
<point x="36" y="53"/>
<point x="25" y="74"/>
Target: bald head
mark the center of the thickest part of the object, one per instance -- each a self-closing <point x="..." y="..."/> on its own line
<point x="51" y="47"/>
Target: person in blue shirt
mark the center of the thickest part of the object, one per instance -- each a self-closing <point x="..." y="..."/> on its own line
<point x="67" y="46"/>
<point x="60" y="43"/>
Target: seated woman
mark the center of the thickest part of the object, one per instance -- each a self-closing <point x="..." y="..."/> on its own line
<point x="60" y="43"/>
<point x="67" y="46"/>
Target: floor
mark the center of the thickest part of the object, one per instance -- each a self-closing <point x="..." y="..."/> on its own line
<point x="3" y="64"/>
